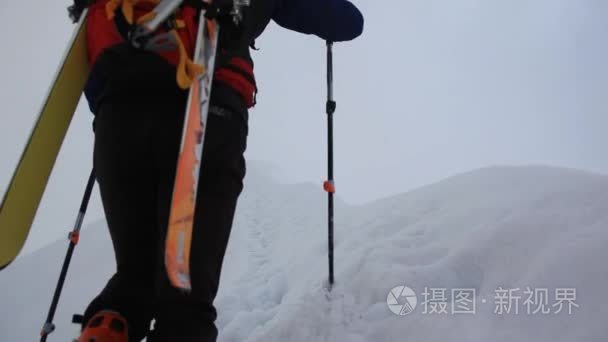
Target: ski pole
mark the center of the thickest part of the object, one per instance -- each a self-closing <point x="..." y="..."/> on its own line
<point x="329" y="185"/>
<point x="74" y="235"/>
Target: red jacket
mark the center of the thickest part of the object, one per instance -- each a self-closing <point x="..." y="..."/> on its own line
<point x="332" y="20"/>
<point x="102" y="33"/>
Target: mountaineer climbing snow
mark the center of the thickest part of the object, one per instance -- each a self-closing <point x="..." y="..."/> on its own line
<point x="139" y="119"/>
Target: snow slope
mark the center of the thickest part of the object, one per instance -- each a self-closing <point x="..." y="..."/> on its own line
<point x="509" y="227"/>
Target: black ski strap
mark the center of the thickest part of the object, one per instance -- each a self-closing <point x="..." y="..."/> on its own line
<point x="122" y="25"/>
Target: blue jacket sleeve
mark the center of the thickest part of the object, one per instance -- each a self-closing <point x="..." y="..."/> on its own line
<point x="333" y="20"/>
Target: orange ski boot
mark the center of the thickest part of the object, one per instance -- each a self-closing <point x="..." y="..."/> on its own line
<point x="105" y="326"/>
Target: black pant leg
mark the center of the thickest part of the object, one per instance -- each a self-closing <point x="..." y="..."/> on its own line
<point x="144" y="129"/>
<point x="190" y="317"/>
<point x="123" y="158"/>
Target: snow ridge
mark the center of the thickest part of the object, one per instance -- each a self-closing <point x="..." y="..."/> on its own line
<point x="510" y="227"/>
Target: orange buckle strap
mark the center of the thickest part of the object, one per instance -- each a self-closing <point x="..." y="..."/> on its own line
<point x="111" y="7"/>
<point x="187" y="70"/>
<point x="149" y="16"/>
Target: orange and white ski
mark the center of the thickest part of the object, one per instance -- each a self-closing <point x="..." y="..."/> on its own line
<point x="183" y="204"/>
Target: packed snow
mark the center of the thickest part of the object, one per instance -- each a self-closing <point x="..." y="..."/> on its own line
<point x="487" y="231"/>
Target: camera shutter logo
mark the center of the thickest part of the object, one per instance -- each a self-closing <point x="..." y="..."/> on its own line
<point x="402" y="300"/>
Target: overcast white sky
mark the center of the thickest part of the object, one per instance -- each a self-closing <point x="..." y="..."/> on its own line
<point x="432" y="88"/>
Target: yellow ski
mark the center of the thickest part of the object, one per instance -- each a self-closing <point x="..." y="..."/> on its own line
<point x="24" y="192"/>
